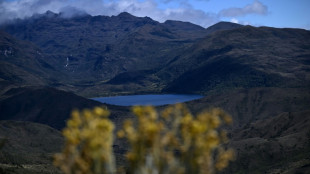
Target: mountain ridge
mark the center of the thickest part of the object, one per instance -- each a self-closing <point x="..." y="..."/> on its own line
<point x="68" y="40"/>
<point x="258" y="54"/>
<point x="173" y="56"/>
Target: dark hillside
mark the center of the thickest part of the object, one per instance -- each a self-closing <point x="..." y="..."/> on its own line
<point x="270" y="131"/>
<point x="243" y="57"/>
<point x="21" y="62"/>
<point x="185" y="29"/>
<point x="28" y="147"/>
<point x="276" y="145"/>
<point x="42" y="105"/>
<point x="249" y="105"/>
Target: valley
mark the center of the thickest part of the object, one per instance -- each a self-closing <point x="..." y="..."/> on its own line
<point x="50" y="65"/>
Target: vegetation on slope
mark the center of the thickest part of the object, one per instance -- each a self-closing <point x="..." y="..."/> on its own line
<point x="28" y="147"/>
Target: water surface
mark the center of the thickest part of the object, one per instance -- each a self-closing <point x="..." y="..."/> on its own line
<point x="150" y="99"/>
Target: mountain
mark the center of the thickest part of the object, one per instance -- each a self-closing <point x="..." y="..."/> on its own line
<point x="249" y="105"/>
<point x="270" y="131"/>
<point x="101" y="55"/>
<point x="50" y="106"/>
<point x="28" y="147"/>
<point x="22" y="62"/>
<point x="260" y="75"/>
<point x="276" y="145"/>
<point x="42" y="105"/>
<point x="185" y="29"/>
<point x="222" y="26"/>
<point x="242" y="57"/>
<point x="96" y="48"/>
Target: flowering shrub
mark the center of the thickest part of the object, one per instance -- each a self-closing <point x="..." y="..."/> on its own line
<point x="88" y="144"/>
<point x="171" y="142"/>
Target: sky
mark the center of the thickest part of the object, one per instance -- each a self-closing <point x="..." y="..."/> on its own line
<point x="273" y="13"/>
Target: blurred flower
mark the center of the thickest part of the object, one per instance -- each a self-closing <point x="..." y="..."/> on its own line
<point x="176" y="142"/>
<point x="173" y="142"/>
<point x="88" y="145"/>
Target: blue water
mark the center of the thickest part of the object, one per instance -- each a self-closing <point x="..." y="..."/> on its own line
<point x="155" y="100"/>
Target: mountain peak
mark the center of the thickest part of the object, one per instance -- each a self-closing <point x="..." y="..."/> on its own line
<point x="225" y="24"/>
<point x="125" y="15"/>
<point x="183" y="25"/>
<point x="222" y="26"/>
<point x="50" y="14"/>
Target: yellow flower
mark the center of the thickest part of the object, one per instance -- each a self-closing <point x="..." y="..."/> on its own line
<point x="137" y="110"/>
<point x="197" y="128"/>
<point x="187" y="119"/>
<point x="99" y="111"/>
<point x="121" y="134"/>
<point x="223" y="158"/>
<point x="88" y="146"/>
<point x="212" y="139"/>
<point x="131" y="156"/>
<point x="175" y="142"/>
<point x="87" y="115"/>
<point x="166" y="113"/>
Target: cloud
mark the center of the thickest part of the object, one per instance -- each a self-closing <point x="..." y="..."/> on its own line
<point x="184" y="11"/>
<point x="255" y="8"/>
<point x="25" y="8"/>
<point x="195" y="16"/>
<point x="168" y="1"/>
<point x="69" y="12"/>
<point x="234" y="20"/>
<point x="237" y="21"/>
<point x="10" y="10"/>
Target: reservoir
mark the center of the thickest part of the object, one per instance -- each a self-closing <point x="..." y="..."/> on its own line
<point x="150" y="99"/>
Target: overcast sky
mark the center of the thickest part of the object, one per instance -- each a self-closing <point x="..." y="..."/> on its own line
<point x="274" y="13"/>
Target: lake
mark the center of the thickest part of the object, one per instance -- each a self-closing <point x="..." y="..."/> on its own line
<point x="150" y="99"/>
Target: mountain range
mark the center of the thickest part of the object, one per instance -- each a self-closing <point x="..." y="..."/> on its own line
<point x="148" y="56"/>
<point x="98" y="48"/>
<point x="50" y="65"/>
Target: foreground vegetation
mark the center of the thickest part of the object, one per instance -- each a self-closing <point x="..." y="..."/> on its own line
<point x="173" y="141"/>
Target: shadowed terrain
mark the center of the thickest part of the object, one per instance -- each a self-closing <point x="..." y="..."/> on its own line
<point x="28" y="147"/>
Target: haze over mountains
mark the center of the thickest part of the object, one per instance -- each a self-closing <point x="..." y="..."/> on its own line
<point x="256" y="74"/>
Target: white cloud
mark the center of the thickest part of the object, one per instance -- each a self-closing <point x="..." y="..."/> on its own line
<point x="234" y="20"/>
<point x="255" y="8"/>
<point x="184" y="11"/>
<point x="25" y="8"/>
<point x="182" y="1"/>
<point x="237" y="21"/>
